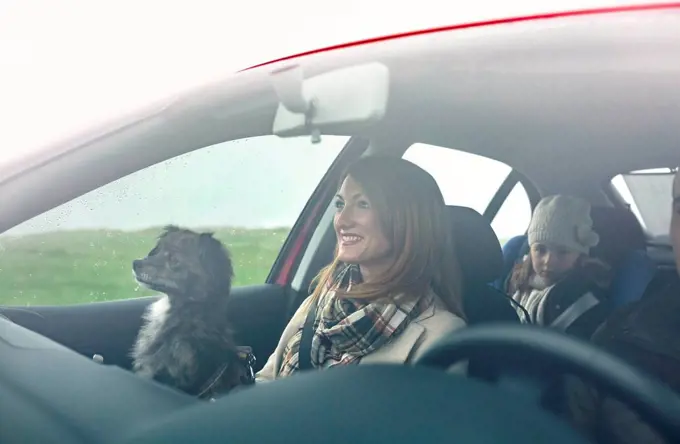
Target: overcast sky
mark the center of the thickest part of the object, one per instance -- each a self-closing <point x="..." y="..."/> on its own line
<point x="66" y="63"/>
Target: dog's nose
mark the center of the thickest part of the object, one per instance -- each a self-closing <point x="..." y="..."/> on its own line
<point x="136" y="264"/>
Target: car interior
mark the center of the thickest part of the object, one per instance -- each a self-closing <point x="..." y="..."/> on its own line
<point x="568" y="102"/>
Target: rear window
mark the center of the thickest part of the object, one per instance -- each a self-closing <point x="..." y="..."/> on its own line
<point x="649" y="193"/>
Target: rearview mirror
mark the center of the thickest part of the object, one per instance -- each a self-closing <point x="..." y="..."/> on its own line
<point x="341" y="101"/>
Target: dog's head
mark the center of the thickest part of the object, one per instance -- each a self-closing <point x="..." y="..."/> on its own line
<point x="185" y="264"/>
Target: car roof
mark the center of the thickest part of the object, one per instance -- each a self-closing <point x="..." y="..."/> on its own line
<point x="475" y="24"/>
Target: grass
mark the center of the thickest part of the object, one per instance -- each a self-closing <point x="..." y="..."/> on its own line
<point x="70" y="267"/>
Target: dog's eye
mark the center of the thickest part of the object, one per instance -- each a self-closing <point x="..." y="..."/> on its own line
<point x="173" y="261"/>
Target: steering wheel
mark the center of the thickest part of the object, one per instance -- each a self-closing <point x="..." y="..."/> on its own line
<point x="655" y="403"/>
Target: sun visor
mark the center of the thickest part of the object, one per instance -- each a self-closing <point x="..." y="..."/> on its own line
<point x="342" y="101"/>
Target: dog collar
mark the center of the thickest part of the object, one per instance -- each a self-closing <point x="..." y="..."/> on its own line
<point x="247" y="359"/>
<point x="213" y="380"/>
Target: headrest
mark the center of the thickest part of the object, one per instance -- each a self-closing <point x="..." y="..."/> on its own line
<point x="476" y="244"/>
<point x="619" y="230"/>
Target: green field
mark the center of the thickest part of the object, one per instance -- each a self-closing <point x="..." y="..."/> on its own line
<point x="69" y="267"/>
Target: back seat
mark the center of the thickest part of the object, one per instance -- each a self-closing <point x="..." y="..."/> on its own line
<point x="622" y="245"/>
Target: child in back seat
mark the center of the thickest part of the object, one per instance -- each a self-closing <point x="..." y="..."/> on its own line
<point x="557" y="283"/>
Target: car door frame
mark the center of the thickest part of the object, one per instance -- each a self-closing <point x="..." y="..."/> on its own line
<point x="511" y="180"/>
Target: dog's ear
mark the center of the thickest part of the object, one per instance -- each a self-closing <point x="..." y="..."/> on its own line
<point x="216" y="261"/>
<point x="167" y="230"/>
<point x="170" y="228"/>
<point x="208" y="245"/>
<point x="212" y="249"/>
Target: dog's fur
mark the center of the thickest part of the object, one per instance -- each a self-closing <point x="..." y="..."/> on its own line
<point x="185" y="338"/>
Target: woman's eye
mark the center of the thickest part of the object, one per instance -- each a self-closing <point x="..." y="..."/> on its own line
<point x="363" y="204"/>
<point x="339" y="204"/>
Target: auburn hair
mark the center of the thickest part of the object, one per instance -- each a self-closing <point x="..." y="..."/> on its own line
<point x="412" y="215"/>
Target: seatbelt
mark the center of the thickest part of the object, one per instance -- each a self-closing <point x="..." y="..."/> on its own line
<point x="575" y="311"/>
<point x="305" y="350"/>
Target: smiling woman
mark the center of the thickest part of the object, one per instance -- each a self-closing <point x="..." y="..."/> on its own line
<point x="394" y="285"/>
<point x="390" y="222"/>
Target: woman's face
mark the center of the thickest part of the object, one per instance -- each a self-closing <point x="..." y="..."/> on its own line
<point x="552" y="262"/>
<point x="360" y="238"/>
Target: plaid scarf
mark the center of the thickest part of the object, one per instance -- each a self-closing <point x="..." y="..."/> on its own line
<point x="347" y="329"/>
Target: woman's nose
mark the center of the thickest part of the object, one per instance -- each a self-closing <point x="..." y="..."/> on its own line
<point x="344" y="218"/>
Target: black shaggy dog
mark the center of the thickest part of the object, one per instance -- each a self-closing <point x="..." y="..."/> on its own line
<point x="185" y="341"/>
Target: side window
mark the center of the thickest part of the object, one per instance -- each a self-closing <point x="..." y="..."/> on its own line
<point x="249" y="192"/>
<point x="513" y="216"/>
<point x="649" y="193"/>
<point x="470" y="180"/>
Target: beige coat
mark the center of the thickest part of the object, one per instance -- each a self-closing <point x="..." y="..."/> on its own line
<point x="433" y="324"/>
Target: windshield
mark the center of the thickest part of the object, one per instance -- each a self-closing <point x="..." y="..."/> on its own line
<point x="649" y="194"/>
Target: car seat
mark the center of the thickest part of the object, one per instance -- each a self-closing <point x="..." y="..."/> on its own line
<point x="622" y="245"/>
<point x="481" y="260"/>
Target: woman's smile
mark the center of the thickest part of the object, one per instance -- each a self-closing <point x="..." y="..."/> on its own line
<point x="350" y="239"/>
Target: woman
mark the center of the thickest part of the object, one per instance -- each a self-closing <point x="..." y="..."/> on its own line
<point x="558" y="283"/>
<point x="375" y="302"/>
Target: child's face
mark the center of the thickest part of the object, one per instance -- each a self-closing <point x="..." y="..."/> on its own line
<point x="552" y="262"/>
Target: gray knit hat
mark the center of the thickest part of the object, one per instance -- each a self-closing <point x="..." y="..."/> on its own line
<point x="564" y="221"/>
